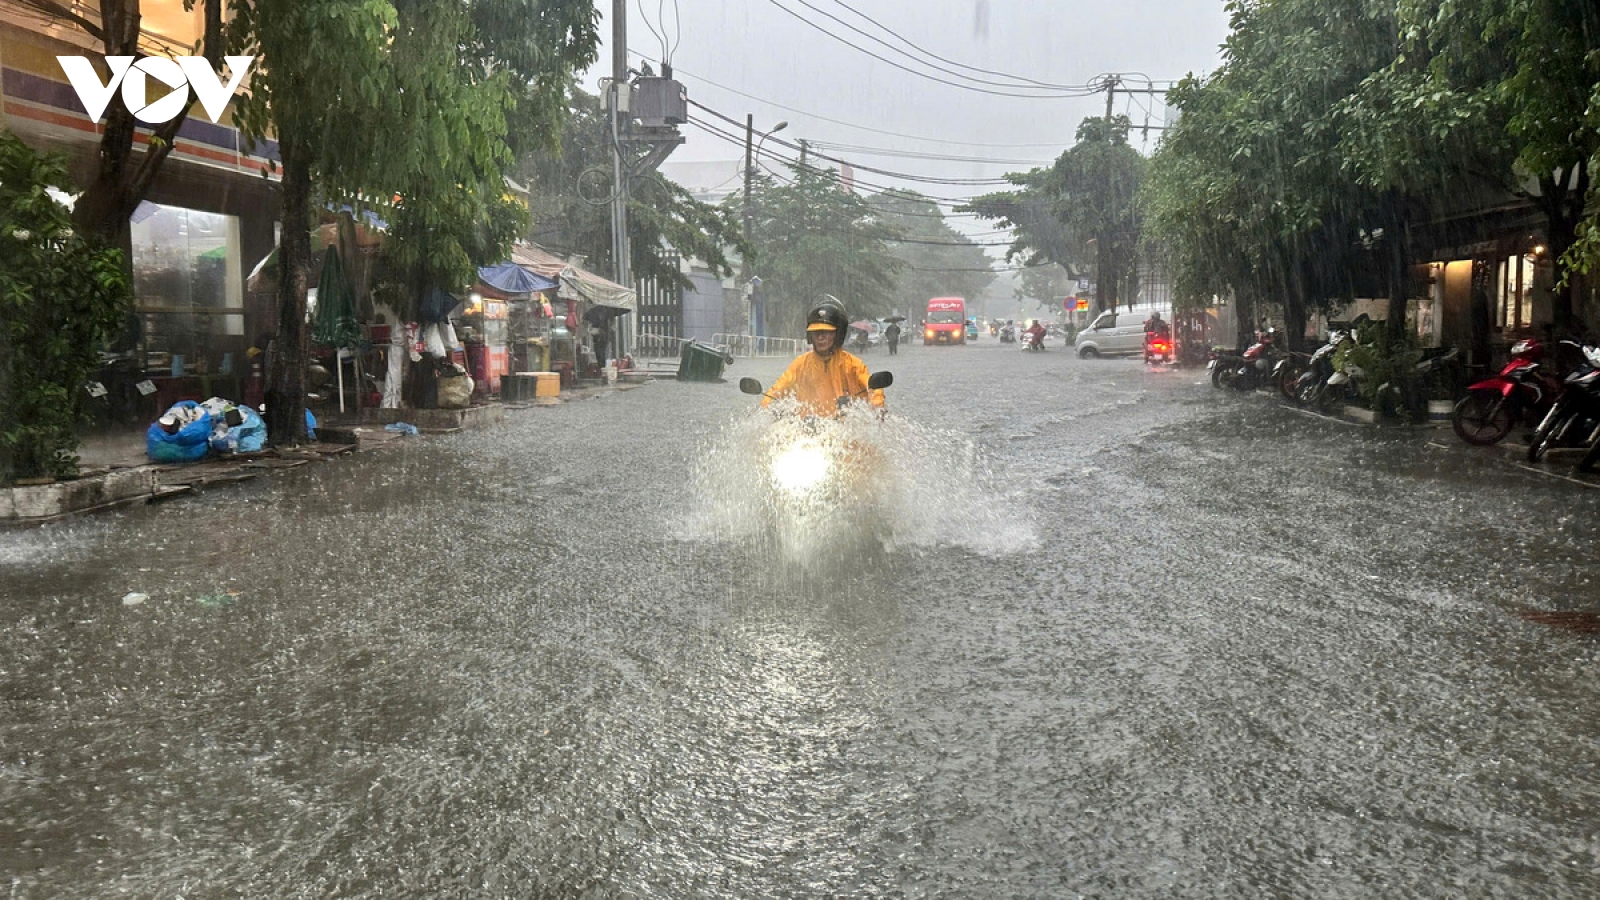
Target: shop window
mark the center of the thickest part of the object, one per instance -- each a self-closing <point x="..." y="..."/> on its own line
<point x="188" y="291"/>
<point x="1514" y="293"/>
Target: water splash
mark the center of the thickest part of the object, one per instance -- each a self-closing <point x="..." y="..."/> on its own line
<point x="905" y="484"/>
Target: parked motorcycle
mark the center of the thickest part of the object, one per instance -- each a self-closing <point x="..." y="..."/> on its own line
<point x="1252" y="369"/>
<point x="1521" y="394"/>
<point x="1574" y="418"/>
<point x="1224" y="365"/>
<point x="1317" y="387"/>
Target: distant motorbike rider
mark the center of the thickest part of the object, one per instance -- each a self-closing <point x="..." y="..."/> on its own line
<point x="824" y="375"/>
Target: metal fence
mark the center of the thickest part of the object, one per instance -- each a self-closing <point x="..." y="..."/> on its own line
<point x="648" y="346"/>
<point x="750" y="345"/>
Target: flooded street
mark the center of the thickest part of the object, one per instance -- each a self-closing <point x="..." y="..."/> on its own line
<point x="1125" y="636"/>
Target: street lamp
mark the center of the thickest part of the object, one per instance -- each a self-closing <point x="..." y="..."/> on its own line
<point x="749" y="210"/>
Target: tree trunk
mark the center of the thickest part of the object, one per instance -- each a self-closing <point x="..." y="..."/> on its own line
<point x="1105" y="273"/>
<point x="286" y="389"/>
<point x="122" y="179"/>
<point x="1399" y="278"/>
<point x="1563" y="209"/>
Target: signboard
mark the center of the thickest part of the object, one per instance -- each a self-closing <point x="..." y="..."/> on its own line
<point x="1083" y="284"/>
<point x="1083" y="304"/>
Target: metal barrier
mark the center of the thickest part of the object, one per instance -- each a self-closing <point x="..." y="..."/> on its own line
<point x="751" y="345"/>
<point x="658" y="346"/>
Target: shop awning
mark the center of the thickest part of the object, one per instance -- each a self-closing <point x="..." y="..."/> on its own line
<point x="514" y="279"/>
<point x="574" y="282"/>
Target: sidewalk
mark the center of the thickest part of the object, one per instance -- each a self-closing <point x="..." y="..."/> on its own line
<point x="114" y="471"/>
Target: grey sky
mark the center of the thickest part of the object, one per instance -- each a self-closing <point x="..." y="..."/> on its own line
<point x="723" y="50"/>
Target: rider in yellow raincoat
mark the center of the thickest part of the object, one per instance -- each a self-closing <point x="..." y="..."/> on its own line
<point x="818" y="378"/>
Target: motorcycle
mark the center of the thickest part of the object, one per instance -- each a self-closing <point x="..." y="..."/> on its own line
<point x="1157" y="347"/>
<point x="819" y="473"/>
<point x="1008" y="335"/>
<point x="1521" y="394"/>
<point x="1320" y="386"/>
<point x="1033" y="340"/>
<point x="1574" y="418"/>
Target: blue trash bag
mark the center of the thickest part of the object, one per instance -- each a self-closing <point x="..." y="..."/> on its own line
<point x="189" y="443"/>
<point x="311" y="426"/>
<point x="249" y="436"/>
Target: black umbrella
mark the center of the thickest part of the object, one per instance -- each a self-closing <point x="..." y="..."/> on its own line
<point x="895" y="319"/>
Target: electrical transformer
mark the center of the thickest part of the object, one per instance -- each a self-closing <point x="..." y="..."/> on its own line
<point x="659" y="101"/>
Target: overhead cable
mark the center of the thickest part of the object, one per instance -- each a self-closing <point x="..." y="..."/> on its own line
<point x="821" y="118"/>
<point x="892" y="174"/>
<point x="1084" y="91"/>
<point x="1012" y="81"/>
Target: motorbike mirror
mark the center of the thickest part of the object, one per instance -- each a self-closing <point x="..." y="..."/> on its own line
<point x="880" y="380"/>
<point x="750" y="386"/>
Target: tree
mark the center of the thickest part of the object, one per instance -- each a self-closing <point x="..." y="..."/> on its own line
<point x="572" y="215"/>
<point x="1085" y="200"/>
<point x="122" y="178"/>
<point x="61" y="295"/>
<point x="813" y="236"/>
<point x="415" y="106"/>
<point x="1251" y="193"/>
<point x="938" y="261"/>
<point x="1507" y="86"/>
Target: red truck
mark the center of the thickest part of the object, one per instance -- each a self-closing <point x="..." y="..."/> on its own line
<point x="946" y="321"/>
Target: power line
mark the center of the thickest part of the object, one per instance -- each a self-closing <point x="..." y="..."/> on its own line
<point x="995" y="182"/>
<point x="1084" y="92"/>
<point x="821" y="118"/>
<point x="914" y="154"/>
<point x="738" y="141"/>
<point x="1012" y="82"/>
<point x="924" y="50"/>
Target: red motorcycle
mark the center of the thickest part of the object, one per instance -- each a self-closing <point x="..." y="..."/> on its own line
<point x="1521" y="394"/>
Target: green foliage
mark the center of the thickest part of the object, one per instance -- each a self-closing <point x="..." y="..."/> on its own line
<point x="419" y="100"/>
<point x="938" y="260"/>
<point x="1382" y="358"/>
<point x="812" y="236"/>
<point x="1079" y="211"/>
<point x="569" y="198"/>
<point x="60" y="298"/>
<point x="1251" y="192"/>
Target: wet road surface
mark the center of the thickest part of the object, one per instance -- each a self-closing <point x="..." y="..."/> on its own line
<point x="1130" y="636"/>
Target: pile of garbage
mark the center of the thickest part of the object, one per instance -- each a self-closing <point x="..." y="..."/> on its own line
<point x="190" y="431"/>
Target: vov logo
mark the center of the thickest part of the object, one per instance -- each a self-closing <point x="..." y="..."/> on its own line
<point x="180" y="74"/>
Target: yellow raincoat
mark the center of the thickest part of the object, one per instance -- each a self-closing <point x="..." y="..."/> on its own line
<point x="818" y="382"/>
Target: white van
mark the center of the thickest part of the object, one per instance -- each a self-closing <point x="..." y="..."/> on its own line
<point x="1117" y="332"/>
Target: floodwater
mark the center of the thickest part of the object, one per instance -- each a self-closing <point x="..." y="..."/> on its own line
<point x="1105" y="632"/>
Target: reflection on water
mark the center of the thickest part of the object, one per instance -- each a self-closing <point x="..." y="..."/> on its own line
<point x="1118" y="642"/>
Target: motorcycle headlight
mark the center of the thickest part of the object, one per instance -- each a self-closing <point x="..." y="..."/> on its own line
<point x="800" y="468"/>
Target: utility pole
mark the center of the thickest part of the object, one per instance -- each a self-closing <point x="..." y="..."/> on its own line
<point x="619" y="112"/>
<point x="803" y="150"/>
<point x="1105" y="291"/>
<point x="751" y="326"/>
<point x="756" y="322"/>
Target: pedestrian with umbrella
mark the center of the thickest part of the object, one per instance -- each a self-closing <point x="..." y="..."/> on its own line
<point x="892" y="335"/>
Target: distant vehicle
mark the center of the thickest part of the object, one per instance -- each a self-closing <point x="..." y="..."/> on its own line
<point x="972" y="329"/>
<point x="946" y="321"/>
<point x="1116" y="332"/>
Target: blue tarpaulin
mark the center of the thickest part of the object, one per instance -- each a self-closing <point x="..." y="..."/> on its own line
<point x="514" y="279"/>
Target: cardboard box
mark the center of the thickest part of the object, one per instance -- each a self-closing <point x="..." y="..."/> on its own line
<point x="548" y="384"/>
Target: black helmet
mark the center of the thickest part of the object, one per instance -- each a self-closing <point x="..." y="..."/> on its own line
<point x="828" y="314"/>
